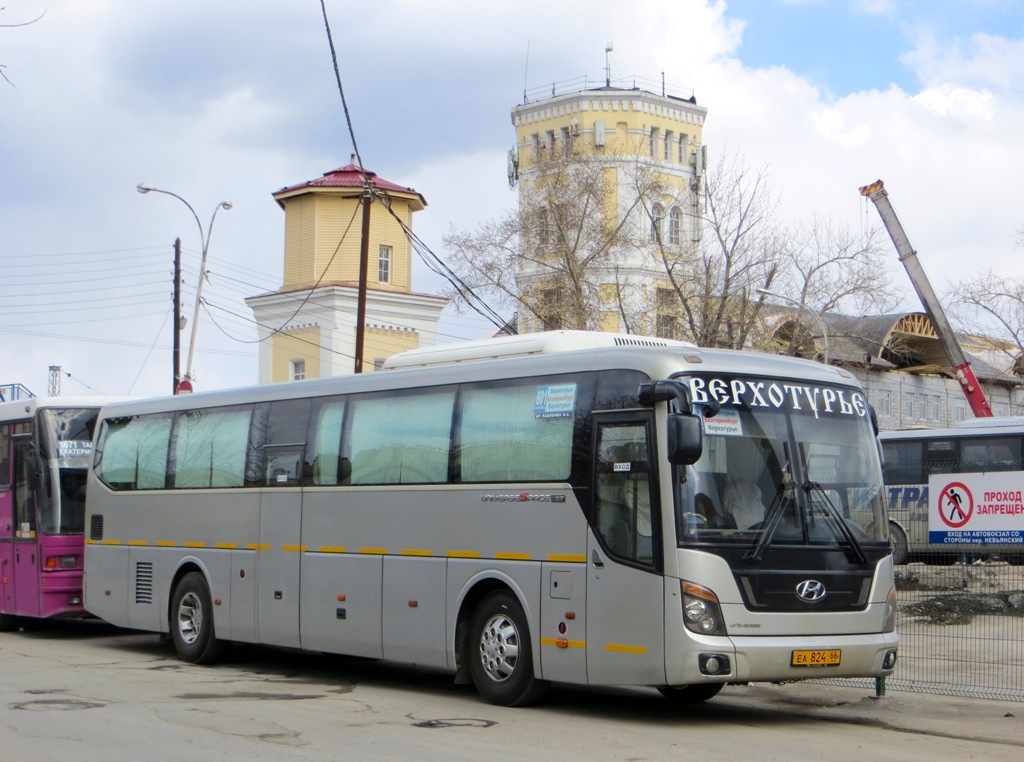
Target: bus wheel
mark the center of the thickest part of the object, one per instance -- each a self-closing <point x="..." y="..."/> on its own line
<point x="501" y="655"/>
<point x="6" y="622"/>
<point x="192" y="621"/>
<point x="690" y="694"/>
<point x="898" y="540"/>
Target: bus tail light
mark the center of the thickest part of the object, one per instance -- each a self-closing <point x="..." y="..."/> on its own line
<point x="60" y="562"/>
<point x="701" y="612"/>
<point x="889" y="622"/>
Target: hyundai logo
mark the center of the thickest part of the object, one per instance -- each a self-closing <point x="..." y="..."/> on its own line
<point x="810" y="590"/>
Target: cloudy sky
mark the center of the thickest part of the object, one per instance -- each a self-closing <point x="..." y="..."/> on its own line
<point x="236" y="99"/>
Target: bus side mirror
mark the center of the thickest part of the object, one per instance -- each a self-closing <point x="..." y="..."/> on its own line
<point x="35" y="472"/>
<point x="685" y="439"/>
<point x="874" y="418"/>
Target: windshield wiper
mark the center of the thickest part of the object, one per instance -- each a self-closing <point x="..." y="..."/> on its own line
<point x="783" y="495"/>
<point x="837" y="518"/>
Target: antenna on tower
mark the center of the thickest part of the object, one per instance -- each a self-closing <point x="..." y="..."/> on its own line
<point x="607" y="66"/>
<point x="54" y="390"/>
<point x="526" y="69"/>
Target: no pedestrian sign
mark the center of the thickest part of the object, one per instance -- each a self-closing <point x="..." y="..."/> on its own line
<point x="976" y="509"/>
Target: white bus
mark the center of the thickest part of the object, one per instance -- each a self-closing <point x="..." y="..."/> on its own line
<point x="553" y="514"/>
<point x="983" y="455"/>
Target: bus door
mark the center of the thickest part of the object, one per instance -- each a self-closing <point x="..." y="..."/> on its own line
<point x="6" y="524"/>
<point x="27" y="483"/>
<point x="625" y="598"/>
<point x="280" y="560"/>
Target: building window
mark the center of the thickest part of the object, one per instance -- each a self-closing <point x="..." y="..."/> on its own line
<point x="566" y="142"/>
<point x="959" y="410"/>
<point x="654" y="143"/>
<point x="934" y="406"/>
<point x="657" y="215"/>
<point x="883" y="404"/>
<point x="535" y="144"/>
<point x="668" y="145"/>
<point x="667" y="327"/>
<point x="384" y="264"/>
<point x="550" y="145"/>
<point x="908" y="405"/>
<point x="298" y="370"/>
<point x="666" y="304"/>
<point x="545" y="233"/>
<point x="682" y="148"/>
<point x="675" y="225"/>
<point x="549" y="308"/>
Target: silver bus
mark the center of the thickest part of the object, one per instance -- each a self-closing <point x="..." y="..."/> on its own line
<point x="985" y="456"/>
<point x="585" y="508"/>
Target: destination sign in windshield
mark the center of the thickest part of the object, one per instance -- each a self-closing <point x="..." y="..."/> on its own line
<point x="808" y="399"/>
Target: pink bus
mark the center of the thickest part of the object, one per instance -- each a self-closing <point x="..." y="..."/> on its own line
<point x="45" y="449"/>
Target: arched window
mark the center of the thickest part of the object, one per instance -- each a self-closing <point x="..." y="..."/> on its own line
<point x="675" y="225"/>
<point x="657" y="215"/>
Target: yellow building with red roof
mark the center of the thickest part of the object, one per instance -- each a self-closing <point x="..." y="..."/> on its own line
<point x="308" y="327"/>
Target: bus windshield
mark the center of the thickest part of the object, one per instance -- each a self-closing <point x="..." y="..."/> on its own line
<point x="65" y="440"/>
<point x="784" y="474"/>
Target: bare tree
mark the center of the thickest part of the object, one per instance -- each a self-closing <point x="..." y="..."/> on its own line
<point x="996" y="302"/>
<point x="12" y="26"/>
<point x="739" y="250"/>
<point x="561" y="255"/>
<point x="827" y="268"/>
<point x="565" y="259"/>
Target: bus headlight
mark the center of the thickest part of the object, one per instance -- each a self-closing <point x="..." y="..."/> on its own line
<point x="889" y="622"/>
<point x="701" y="612"/>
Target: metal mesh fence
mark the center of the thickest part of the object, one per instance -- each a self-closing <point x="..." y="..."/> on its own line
<point x="961" y="624"/>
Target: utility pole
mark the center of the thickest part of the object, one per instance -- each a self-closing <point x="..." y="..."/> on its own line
<point x="364" y="256"/>
<point x="176" y="351"/>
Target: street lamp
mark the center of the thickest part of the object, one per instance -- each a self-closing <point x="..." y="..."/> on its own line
<point x="205" y="239"/>
<point x="802" y="306"/>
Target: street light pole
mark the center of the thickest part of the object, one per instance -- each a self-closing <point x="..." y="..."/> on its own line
<point x="801" y="306"/>
<point x="204" y="238"/>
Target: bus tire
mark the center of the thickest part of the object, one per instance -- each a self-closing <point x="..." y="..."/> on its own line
<point x="690" y="694"/>
<point x="191" y="622"/>
<point x="898" y="540"/>
<point x="501" y="653"/>
<point x="7" y="622"/>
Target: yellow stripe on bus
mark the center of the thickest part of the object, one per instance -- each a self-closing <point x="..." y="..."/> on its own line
<point x="299" y="548"/>
<point x="565" y="558"/>
<point x="165" y="544"/>
<point x="333" y="549"/>
<point x="568" y="643"/>
<point x="111" y="542"/>
<point x="259" y="546"/>
<point x="137" y="542"/>
<point x="416" y="552"/>
<point x="619" y="648"/>
<point x="374" y="551"/>
<point x="225" y="545"/>
<point x="195" y="544"/>
<point x="463" y="554"/>
<point x="512" y="556"/>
